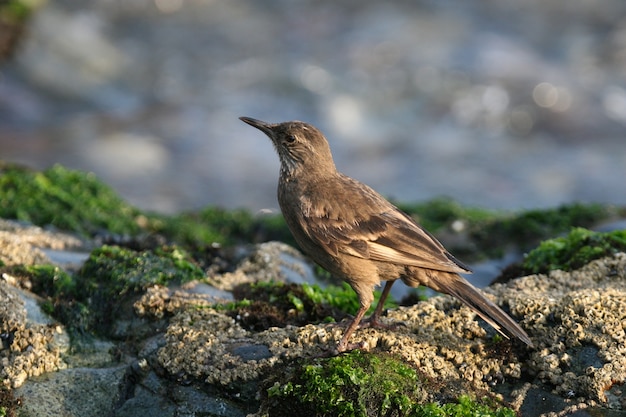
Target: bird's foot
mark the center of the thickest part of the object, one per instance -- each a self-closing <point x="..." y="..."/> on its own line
<point x="346" y="347"/>
<point x="375" y="323"/>
<point x="371" y="322"/>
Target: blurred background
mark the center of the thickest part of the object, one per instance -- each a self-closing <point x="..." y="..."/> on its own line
<point x="498" y="104"/>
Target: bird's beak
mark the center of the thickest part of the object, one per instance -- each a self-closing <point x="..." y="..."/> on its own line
<point x="259" y="124"/>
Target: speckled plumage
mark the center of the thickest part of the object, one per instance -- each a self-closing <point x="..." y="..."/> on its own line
<point x="357" y="235"/>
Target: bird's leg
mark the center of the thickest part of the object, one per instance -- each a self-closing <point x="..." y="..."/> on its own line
<point x="374" y="318"/>
<point x="343" y="344"/>
<point x="371" y="322"/>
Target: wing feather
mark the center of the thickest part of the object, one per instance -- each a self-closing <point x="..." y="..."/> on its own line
<point x="372" y="228"/>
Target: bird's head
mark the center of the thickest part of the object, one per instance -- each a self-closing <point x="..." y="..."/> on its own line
<point x="301" y="147"/>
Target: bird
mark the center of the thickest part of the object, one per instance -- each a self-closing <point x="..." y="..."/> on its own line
<point x="359" y="236"/>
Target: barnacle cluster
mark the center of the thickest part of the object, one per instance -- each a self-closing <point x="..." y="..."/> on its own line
<point x="21" y="244"/>
<point x="576" y="321"/>
<point x="268" y="261"/>
<point x="26" y="349"/>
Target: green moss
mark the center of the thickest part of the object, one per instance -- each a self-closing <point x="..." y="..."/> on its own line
<point x="491" y="233"/>
<point x="527" y="229"/>
<point x="67" y="199"/>
<point x="77" y="201"/>
<point x="120" y="270"/>
<point x="573" y="251"/>
<point x="111" y="275"/>
<point x="342" y="297"/>
<point x="210" y="225"/>
<point x="464" y="407"/>
<point x="46" y="280"/>
<point x="262" y="305"/>
<point x="216" y="225"/>
<point x="92" y="298"/>
<point x="361" y="384"/>
<point x="440" y="213"/>
<point x="346" y="385"/>
<point x="231" y="306"/>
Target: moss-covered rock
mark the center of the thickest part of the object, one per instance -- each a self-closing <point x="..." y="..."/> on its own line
<point x="90" y="300"/>
<point x="79" y="202"/>
<point x="68" y="199"/>
<point x="113" y="275"/>
<point x="489" y="233"/>
<point x="353" y="384"/>
<point x="120" y="270"/>
<point x="526" y="229"/>
<point x="264" y="304"/>
<point x="363" y="384"/>
<point x="571" y="252"/>
<point x="47" y="281"/>
<point x="212" y="225"/>
<point x="441" y="213"/>
<point x="574" y="318"/>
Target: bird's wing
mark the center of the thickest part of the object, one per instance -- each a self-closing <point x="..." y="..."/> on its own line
<point x="405" y="242"/>
<point x="369" y="227"/>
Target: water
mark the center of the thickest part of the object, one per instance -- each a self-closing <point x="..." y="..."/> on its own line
<point x="498" y="104"/>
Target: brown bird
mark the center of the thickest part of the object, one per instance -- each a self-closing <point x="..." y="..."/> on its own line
<point x="357" y="235"/>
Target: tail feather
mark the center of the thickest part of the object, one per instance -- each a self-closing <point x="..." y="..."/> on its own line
<point x="486" y="309"/>
<point x="455" y="285"/>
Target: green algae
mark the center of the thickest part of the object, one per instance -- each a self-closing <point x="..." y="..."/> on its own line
<point x="464" y="407"/>
<point x="90" y="299"/>
<point x="491" y="233"/>
<point x="362" y="384"/>
<point x="346" y="385"/>
<point x="215" y="225"/>
<point x="77" y="201"/>
<point x="525" y="230"/>
<point x="573" y="251"/>
<point x="113" y="275"/>
<point x="67" y="199"/>
<point x="120" y="270"/>
<point x="342" y="297"/>
<point x="439" y="213"/>
<point x="54" y="285"/>
<point x="210" y="224"/>
<point x="46" y="280"/>
<point x="263" y="304"/>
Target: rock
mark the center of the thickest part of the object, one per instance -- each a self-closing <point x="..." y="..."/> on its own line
<point x="71" y="392"/>
<point x="578" y="322"/>
<point x="186" y="355"/>
<point x="29" y="348"/>
<point x="266" y="262"/>
<point x="23" y="245"/>
<point x="575" y="319"/>
<point x="22" y="234"/>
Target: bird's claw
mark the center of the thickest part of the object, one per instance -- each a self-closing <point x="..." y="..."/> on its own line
<point x="346" y="347"/>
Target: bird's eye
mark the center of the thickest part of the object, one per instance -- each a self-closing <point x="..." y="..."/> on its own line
<point x="290" y="139"/>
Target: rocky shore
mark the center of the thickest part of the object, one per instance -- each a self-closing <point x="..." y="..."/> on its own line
<point x="128" y="325"/>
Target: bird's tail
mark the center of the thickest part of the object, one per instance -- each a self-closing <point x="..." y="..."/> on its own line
<point x="453" y="284"/>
